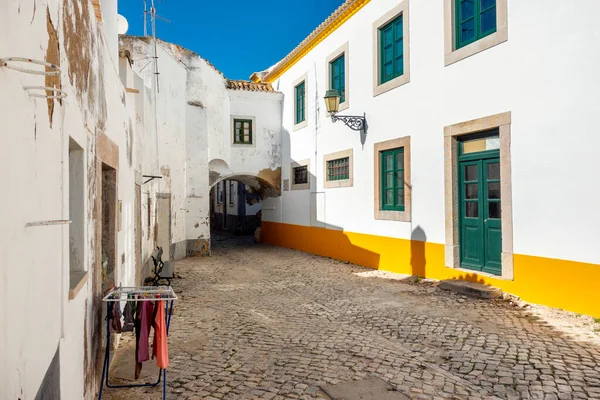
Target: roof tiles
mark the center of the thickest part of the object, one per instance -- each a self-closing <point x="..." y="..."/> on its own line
<point x="250" y="86"/>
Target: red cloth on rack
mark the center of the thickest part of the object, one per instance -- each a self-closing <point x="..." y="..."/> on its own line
<point x="159" y="346"/>
<point x="144" y="315"/>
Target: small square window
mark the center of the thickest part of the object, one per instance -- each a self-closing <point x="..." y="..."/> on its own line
<point x="338" y="169"/>
<point x="242" y="131"/>
<point x="300" y="175"/>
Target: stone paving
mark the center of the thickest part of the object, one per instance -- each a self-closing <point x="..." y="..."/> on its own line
<point x="261" y="322"/>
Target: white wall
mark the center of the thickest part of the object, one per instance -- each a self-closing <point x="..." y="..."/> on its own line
<point x="546" y="75"/>
<point x="264" y="152"/>
<point x="37" y="317"/>
<point x="193" y="91"/>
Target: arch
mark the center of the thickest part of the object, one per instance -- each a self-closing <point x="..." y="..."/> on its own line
<point x="258" y="184"/>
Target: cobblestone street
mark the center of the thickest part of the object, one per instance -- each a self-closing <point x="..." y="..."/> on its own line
<point x="260" y="322"/>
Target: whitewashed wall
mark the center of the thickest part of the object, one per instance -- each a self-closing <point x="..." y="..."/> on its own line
<point x="193" y="91"/>
<point x="545" y="74"/>
<point x="264" y="152"/>
<point x="37" y="317"/>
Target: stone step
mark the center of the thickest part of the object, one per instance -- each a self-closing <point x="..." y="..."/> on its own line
<point x="471" y="289"/>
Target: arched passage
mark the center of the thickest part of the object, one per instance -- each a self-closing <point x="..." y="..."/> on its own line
<point x="236" y="203"/>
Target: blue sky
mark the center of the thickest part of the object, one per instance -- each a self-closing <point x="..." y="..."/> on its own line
<point x="237" y="36"/>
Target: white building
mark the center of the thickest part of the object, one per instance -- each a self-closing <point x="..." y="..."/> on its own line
<point x="479" y="147"/>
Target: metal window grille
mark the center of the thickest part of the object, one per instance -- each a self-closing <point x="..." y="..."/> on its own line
<point x="300" y="175"/>
<point x="338" y="169"/>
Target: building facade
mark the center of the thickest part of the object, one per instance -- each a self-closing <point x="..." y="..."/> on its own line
<point x="477" y="150"/>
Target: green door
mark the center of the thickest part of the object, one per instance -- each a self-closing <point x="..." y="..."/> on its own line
<point x="480" y="211"/>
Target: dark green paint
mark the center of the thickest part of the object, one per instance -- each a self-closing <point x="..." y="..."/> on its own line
<point x="391" y="163"/>
<point x="238" y="136"/>
<point x="475" y="19"/>
<point x="338" y="79"/>
<point x="299" y="94"/>
<point x="480" y="228"/>
<point x="391" y="50"/>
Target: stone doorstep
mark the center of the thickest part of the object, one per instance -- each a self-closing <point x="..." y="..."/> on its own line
<point x="367" y="389"/>
<point x="471" y="289"/>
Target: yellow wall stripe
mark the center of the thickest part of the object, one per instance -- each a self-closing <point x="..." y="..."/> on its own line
<point x="565" y="284"/>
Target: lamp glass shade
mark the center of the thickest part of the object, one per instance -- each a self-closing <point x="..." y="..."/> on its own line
<point x="332" y="101"/>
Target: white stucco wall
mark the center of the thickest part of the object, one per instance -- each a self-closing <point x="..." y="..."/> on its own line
<point x="264" y="152"/>
<point x="547" y="85"/>
<point x="37" y="317"/>
<point x="193" y="91"/>
<point x="164" y="152"/>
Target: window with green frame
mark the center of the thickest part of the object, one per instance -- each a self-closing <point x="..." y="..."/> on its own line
<point x="299" y="94"/>
<point x="338" y="81"/>
<point x="338" y="169"/>
<point x="391" y="50"/>
<point x="392" y="179"/>
<point x="242" y="133"/>
<point x="475" y="19"/>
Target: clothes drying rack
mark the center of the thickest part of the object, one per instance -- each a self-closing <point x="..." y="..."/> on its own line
<point x="136" y="294"/>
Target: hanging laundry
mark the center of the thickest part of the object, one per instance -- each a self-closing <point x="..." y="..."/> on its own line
<point x="128" y="311"/>
<point x="143" y="322"/>
<point x="159" y="345"/>
<point x="114" y="314"/>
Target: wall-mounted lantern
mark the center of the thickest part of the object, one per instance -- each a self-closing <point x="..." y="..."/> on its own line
<point x="332" y="103"/>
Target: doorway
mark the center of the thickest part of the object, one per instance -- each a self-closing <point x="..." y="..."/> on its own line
<point x="163" y="239"/>
<point x="480" y="206"/>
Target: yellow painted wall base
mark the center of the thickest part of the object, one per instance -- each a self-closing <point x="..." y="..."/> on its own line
<point x="569" y="285"/>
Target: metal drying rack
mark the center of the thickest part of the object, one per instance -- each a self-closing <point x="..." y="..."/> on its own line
<point x="136" y="294"/>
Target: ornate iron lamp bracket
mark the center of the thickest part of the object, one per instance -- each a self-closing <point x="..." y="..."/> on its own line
<point x="353" y="122"/>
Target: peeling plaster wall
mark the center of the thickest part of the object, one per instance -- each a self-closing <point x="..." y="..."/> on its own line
<point x="165" y="151"/>
<point x="265" y="152"/>
<point x="38" y="316"/>
<point x="193" y="91"/>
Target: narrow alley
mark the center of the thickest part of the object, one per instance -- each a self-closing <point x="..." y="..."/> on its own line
<point x="255" y="321"/>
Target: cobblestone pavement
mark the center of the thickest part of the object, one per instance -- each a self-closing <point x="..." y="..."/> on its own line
<point x="261" y="322"/>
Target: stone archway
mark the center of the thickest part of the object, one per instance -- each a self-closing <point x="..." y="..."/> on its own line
<point x="266" y="182"/>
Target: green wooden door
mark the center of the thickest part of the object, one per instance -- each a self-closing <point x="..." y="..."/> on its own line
<point x="480" y="211"/>
<point x="492" y="226"/>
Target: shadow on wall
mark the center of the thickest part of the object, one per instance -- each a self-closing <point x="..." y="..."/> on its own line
<point x="320" y="237"/>
<point x="418" y="261"/>
<point x="470" y="278"/>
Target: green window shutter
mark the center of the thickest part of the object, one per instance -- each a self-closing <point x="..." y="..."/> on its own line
<point x="475" y="19"/>
<point x="338" y="77"/>
<point x="391" y="50"/>
<point x="242" y="133"/>
<point x="300" y="95"/>
<point x="392" y="179"/>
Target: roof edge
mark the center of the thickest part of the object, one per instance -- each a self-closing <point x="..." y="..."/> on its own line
<point x="327" y="27"/>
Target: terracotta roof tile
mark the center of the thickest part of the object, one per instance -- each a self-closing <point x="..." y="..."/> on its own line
<point x="251" y="86"/>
